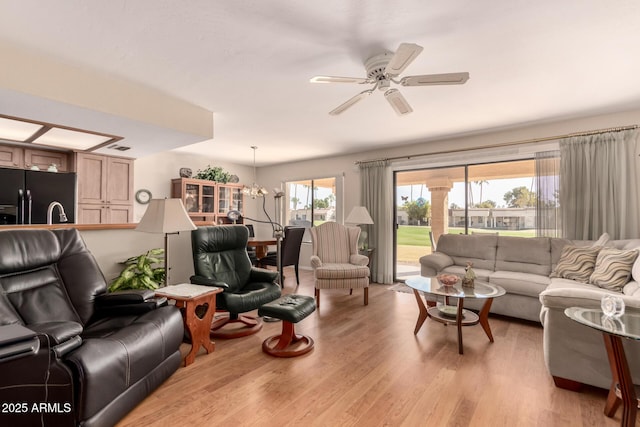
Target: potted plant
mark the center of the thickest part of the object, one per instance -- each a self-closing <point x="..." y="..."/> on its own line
<point x="216" y="174"/>
<point x="144" y="271"/>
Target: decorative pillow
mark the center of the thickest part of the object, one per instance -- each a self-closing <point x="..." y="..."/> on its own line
<point x="576" y="263"/>
<point x="613" y="268"/>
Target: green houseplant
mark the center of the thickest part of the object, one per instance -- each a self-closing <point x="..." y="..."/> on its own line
<point x="216" y="174"/>
<point x="144" y="271"/>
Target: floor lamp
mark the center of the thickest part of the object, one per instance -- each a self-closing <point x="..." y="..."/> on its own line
<point x="167" y="216"/>
<point x="278" y="230"/>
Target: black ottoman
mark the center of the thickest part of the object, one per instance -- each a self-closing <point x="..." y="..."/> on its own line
<point x="290" y="309"/>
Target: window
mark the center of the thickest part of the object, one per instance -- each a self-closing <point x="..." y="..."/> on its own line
<point x="494" y="198"/>
<point x="311" y="202"/>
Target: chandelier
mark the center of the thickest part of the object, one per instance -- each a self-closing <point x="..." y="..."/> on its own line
<point x="255" y="190"/>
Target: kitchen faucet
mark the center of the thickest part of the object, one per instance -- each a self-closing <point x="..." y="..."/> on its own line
<point x="52" y="205"/>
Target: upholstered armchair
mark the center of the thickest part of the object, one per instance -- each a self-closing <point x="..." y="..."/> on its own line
<point x="336" y="262"/>
<point x="220" y="259"/>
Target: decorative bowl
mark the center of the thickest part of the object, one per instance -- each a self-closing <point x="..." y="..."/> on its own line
<point x="447" y="279"/>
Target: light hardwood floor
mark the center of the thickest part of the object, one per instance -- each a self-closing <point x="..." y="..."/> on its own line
<point x="368" y="369"/>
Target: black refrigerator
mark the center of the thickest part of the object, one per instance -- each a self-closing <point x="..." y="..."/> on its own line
<point x="25" y="196"/>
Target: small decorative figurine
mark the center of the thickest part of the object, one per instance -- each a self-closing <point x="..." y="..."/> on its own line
<point x="469" y="275"/>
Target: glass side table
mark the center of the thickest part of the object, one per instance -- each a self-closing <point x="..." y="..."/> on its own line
<point x="614" y="329"/>
<point x="454" y="315"/>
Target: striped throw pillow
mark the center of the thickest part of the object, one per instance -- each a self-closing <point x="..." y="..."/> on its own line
<point x="577" y="263"/>
<point x="613" y="268"/>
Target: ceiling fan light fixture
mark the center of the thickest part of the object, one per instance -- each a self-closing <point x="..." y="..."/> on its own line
<point x="383" y="69"/>
<point x="398" y="102"/>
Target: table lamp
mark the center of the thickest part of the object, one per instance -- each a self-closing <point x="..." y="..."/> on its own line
<point x="166" y="216"/>
<point x="360" y="216"/>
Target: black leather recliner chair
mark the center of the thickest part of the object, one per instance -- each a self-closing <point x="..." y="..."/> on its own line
<point x="92" y="356"/>
<point x="220" y="259"/>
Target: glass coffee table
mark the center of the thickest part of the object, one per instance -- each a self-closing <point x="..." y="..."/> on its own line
<point x="454" y="314"/>
<point x="614" y="329"/>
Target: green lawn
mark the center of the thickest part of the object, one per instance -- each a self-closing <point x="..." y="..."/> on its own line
<point x="413" y="235"/>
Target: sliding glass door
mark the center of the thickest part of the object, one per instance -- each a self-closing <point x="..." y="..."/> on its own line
<point x="423" y="198"/>
<point x="497" y="198"/>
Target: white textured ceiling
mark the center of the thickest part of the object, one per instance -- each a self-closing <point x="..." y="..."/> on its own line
<point x="249" y="62"/>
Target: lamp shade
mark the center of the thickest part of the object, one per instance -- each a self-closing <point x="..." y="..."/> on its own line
<point x="165" y="216"/>
<point x="359" y="215"/>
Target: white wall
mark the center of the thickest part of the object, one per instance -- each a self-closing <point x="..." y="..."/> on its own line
<point x="111" y="247"/>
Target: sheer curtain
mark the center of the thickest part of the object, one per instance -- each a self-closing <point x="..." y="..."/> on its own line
<point x="547" y="178"/>
<point x="376" y="187"/>
<point x="599" y="189"/>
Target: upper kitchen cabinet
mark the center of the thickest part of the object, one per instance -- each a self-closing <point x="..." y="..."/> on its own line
<point x="43" y="159"/>
<point x="105" y="184"/>
<point x="12" y="156"/>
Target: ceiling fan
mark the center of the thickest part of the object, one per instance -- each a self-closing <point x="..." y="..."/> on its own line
<point x="384" y="68"/>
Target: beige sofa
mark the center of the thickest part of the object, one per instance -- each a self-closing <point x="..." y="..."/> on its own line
<point x="573" y="353"/>
<point x="520" y="265"/>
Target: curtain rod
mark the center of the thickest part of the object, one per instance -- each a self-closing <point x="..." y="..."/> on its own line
<point x="504" y="144"/>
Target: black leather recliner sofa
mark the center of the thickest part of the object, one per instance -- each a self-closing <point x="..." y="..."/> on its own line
<point x="71" y="354"/>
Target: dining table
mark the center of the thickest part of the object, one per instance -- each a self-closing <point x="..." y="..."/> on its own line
<point x="261" y="245"/>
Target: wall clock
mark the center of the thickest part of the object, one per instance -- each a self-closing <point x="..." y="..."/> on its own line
<point x="143" y="196"/>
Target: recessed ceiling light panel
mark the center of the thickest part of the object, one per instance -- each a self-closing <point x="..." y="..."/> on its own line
<point x="17" y="130"/>
<point x="71" y="139"/>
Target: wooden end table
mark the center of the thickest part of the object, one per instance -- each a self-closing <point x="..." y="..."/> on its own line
<point x="189" y="297"/>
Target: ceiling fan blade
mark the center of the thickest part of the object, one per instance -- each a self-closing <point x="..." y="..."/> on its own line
<point x="404" y="56"/>
<point x="397" y="101"/>
<point x="334" y="79"/>
<point x="435" y="79"/>
<point x="349" y="103"/>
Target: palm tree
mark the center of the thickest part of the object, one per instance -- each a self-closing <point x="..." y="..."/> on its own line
<point x="481" y="183"/>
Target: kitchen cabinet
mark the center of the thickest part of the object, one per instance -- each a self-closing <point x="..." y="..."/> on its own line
<point x="11" y="156"/>
<point x="207" y="200"/>
<point x="105" y="189"/>
<point x="45" y="158"/>
<point x="18" y="157"/>
<point x="89" y="213"/>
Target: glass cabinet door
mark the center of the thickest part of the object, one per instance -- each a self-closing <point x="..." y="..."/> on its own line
<point x="223" y="200"/>
<point x="208" y="194"/>
<point x="237" y="199"/>
<point x="192" y="198"/>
